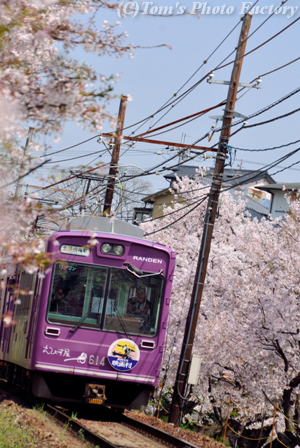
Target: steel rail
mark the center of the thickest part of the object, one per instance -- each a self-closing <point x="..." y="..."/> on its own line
<point x="149" y="431"/>
<point x="76" y="427"/>
<point x="155" y="433"/>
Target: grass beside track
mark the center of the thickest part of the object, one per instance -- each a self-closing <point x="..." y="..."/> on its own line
<point x="13" y="432"/>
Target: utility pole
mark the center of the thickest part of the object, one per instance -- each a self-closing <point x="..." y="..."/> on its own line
<point x="179" y="396"/>
<point x="115" y="158"/>
<point x="22" y="167"/>
<point x="83" y="202"/>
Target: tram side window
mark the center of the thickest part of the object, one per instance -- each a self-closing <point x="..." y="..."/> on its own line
<point x="26" y="286"/>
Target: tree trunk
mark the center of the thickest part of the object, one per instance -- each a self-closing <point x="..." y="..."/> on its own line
<point x="287" y="409"/>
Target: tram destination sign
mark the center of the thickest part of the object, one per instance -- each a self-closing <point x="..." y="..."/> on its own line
<point x="74" y="250"/>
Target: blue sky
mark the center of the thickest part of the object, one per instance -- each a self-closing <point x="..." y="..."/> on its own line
<point x="156" y="74"/>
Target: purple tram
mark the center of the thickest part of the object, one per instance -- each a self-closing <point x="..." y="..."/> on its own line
<point x="76" y="336"/>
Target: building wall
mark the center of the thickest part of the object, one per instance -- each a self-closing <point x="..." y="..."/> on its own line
<point x="160" y="201"/>
<point x="279" y="204"/>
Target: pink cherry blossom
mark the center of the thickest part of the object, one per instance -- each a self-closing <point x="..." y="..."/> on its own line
<point x="248" y="333"/>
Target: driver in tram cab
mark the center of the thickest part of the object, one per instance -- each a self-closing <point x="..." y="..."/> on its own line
<point x="139" y="306"/>
<point x="58" y="296"/>
<point x="57" y="300"/>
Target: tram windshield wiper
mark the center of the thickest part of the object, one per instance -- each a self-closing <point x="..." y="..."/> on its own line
<point x="138" y="273"/>
<point x="122" y="323"/>
<point x="119" y="317"/>
<point x="73" y="329"/>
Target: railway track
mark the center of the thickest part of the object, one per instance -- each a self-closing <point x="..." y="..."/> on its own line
<point x="118" y="431"/>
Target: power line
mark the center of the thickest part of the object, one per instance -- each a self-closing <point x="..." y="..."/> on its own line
<point x="253" y="32"/>
<point x="262" y="44"/>
<point x="249" y="52"/>
<point x="279" y="117"/>
<point x="197" y="115"/>
<point x="262" y="164"/>
<point x="261" y="111"/>
<point x="80" y="143"/>
<point x="278" y="68"/>
<point x="55" y="152"/>
<point x="265" y="149"/>
<point x="77" y="157"/>
<point x="218" y="67"/>
<point x="169" y="102"/>
<point x="24" y="175"/>
<point x="73" y="146"/>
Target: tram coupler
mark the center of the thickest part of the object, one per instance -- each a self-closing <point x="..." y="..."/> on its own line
<point x="95" y="394"/>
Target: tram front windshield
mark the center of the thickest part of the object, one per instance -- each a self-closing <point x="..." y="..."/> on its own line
<point x="102" y="298"/>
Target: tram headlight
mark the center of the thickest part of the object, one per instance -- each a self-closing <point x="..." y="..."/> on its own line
<point x="106" y="248"/>
<point x="118" y="249"/>
<point x="112" y="249"/>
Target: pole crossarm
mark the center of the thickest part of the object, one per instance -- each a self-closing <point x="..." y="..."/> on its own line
<point x="160" y="142"/>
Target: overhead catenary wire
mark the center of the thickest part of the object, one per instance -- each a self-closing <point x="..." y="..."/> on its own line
<point x="77" y="201"/>
<point x="140" y="174"/>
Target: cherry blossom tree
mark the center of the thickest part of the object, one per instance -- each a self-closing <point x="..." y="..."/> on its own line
<point x="42" y="86"/>
<point x="248" y="328"/>
<point x="40" y="81"/>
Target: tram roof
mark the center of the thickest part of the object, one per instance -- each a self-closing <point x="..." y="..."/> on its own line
<point x="104" y="225"/>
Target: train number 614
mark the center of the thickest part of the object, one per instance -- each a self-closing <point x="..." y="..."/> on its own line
<point x="94" y="361"/>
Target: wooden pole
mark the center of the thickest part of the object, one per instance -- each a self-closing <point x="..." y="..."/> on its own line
<point x="179" y="394"/>
<point x="115" y="158"/>
<point x="22" y="168"/>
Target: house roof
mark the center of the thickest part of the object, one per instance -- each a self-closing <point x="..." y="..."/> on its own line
<point x="153" y="196"/>
<point x="233" y="177"/>
<point x="273" y="187"/>
<point x="254" y="205"/>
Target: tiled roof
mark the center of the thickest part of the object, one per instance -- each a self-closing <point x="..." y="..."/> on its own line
<point x="231" y="176"/>
<point x="287" y="187"/>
